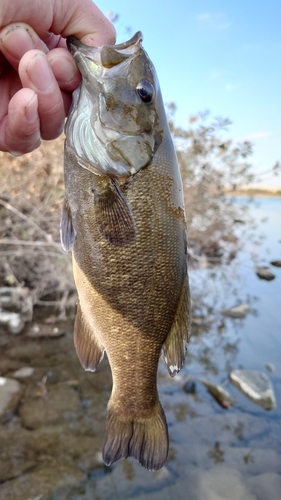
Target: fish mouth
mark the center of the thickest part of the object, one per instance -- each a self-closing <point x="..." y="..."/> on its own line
<point x="108" y="55"/>
<point x="74" y="44"/>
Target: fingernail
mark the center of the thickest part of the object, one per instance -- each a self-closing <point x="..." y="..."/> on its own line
<point x="40" y="72"/>
<point x="31" y="110"/>
<point x="18" y="39"/>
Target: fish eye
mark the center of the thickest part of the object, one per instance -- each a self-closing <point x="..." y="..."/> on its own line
<point x="145" y="90"/>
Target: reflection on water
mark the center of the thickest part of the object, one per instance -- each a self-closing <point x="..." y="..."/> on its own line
<point x="51" y="449"/>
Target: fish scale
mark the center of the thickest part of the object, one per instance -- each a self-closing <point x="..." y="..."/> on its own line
<point x="128" y="238"/>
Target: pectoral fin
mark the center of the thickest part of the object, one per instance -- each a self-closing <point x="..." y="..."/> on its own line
<point x="89" y="351"/>
<point x="113" y="215"/>
<point x="67" y="231"/>
<point x="174" y="348"/>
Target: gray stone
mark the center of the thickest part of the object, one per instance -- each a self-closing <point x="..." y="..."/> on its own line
<point x="256" y="385"/>
<point x="16" y="452"/>
<point x="276" y="263"/>
<point x="264" y="273"/>
<point x="10" y="393"/>
<point x="270" y="367"/>
<point x="223" y="483"/>
<point x="44" y="330"/>
<point x="267" y="485"/>
<point x="55" y="405"/>
<point x="24" y="372"/>
<point x="12" y="320"/>
<point x="239" y="311"/>
<point x="219" y="394"/>
<point x="47" y="482"/>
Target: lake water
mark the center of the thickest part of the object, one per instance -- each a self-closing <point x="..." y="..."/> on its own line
<point x="215" y="454"/>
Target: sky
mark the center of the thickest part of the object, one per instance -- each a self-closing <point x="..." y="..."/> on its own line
<point x="221" y="56"/>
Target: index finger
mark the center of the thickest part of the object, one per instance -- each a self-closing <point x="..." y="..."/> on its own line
<point x="65" y="17"/>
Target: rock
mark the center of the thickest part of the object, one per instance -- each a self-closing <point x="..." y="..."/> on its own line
<point x="49" y="481"/>
<point x="24" y="372"/>
<point x="16" y="452"/>
<point x="47" y="330"/>
<point x="189" y="386"/>
<point x="12" y="320"/>
<point x="202" y="320"/>
<point x="276" y="263"/>
<point x="219" y="394"/>
<point x="264" y="273"/>
<point x="256" y="385"/>
<point x="223" y="483"/>
<point x="59" y="404"/>
<point x="10" y="393"/>
<point x="239" y="311"/>
<point x="270" y="367"/>
<point x="267" y="485"/>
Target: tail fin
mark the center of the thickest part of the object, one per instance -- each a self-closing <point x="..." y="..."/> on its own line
<point x="145" y="439"/>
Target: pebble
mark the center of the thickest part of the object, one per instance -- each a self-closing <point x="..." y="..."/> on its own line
<point x="238" y="311"/>
<point x="24" y="372"/>
<point x="264" y="273"/>
<point x="47" y="330"/>
<point x="9" y="395"/>
<point x="12" y="320"/>
<point x="276" y="263"/>
<point x="256" y="385"/>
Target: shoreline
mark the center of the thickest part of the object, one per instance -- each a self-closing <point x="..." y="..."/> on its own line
<point x="255" y="193"/>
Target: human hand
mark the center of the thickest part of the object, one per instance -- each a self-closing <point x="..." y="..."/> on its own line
<point x="37" y="73"/>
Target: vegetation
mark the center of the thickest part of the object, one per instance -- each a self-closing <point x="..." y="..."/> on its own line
<point x="32" y="191"/>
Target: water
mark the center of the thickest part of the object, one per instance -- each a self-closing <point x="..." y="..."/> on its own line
<point x="50" y="448"/>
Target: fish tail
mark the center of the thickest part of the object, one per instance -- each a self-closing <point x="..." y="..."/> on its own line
<point x="145" y="439"/>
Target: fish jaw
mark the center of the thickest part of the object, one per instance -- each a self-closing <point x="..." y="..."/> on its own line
<point x="109" y="125"/>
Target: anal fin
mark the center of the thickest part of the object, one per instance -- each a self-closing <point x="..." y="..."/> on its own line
<point x="174" y="348"/>
<point x="67" y="231"/>
<point x="89" y="351"/>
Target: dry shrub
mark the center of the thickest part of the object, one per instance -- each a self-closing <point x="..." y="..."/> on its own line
<point x="32" y="190"/>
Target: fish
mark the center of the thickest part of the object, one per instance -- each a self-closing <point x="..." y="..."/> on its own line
<point x="123" y="218"/>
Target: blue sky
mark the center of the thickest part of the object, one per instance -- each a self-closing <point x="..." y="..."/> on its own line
<point x="216" y="55"/>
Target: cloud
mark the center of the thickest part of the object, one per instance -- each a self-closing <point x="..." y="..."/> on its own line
<point x="258" y="135"/>
<point x="255" y="136"/>
<point x="213" y="21"/>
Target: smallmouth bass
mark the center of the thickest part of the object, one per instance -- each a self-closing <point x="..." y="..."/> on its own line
<point x="123" y="217"/>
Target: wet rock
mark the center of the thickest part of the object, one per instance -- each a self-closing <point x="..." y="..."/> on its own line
<point x="44" y="330"/>
<point x="264" y="273"/>
<point x="239" y="311"/>
<point x="189" y="386"/>
<point x="267" y="485"/>
<point x="276" y="263"/>
<point x="13" y="321"/>
<point x="53" y="406"/>
<point x="270" y="367"/>
<point x="256" y="385"/>
<point x="10" y="394"/>
<point x="16" y="453"/>
<point x="45" y="483"/>
<point x="223" y="483"/>
<point x="24" y="372"/>
<point x="202" y="320"/>
<point x="219" y="394"/>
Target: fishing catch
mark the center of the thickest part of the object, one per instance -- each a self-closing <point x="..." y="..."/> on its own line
<point x="123" y="217"/>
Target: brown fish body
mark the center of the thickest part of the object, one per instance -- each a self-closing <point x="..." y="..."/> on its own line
<point x="133" y="290"/>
